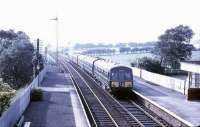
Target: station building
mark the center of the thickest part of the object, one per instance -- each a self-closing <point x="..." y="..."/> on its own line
<point x="193" y="69"/>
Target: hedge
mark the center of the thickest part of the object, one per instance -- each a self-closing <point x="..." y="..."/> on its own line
<point x="6" y="93"/>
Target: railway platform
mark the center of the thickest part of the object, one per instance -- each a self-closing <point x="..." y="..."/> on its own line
<point x="173" y="102"/>
<point x="60" y="107"/>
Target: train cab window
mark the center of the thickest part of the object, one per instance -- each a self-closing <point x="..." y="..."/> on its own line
<point x="114" y="75"/>
<point x="128" y="75"/>
<point x="121" y="74"/>
<point x="124" y="75"/>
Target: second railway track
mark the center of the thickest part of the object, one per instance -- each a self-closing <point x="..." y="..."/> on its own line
<point x="107" y="111"/>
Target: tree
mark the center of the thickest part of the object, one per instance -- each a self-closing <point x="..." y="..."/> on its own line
<point x="16" y="55"/>
<point x="149" y="64"/>
<point x="174" y="46"/>
<point x="6" y="38"/>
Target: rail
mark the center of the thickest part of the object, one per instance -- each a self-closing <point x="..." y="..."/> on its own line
<point x="96" y="105"/>
<point x="117" y="116"/>
<point x="144" y="119"/>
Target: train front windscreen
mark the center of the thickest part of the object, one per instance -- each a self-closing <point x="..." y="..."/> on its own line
<point x="121" y="77"/>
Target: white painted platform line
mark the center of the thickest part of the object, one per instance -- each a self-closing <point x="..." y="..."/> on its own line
<point x="53" y="89"/>
<point x="80" y="120"/>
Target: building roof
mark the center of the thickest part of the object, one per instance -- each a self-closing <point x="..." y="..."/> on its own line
<point x="191" y="66"/>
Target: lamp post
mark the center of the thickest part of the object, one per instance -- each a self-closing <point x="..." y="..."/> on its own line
<point x="56" y="19"/>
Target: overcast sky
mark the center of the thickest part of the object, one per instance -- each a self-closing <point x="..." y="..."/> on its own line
<point x="97" y="21"/>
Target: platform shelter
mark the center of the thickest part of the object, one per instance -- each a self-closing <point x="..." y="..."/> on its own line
<point x="193" y="69"/>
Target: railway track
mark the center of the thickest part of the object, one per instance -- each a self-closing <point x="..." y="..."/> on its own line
<point x="143" y="116"/>
<point x="107" y="111"/>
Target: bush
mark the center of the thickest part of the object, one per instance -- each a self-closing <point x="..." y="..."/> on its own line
<point x="149" y="64"/>
<point x="134" y="64"/>
<point x="6" y="93"/>
<point x="36" y="95"/>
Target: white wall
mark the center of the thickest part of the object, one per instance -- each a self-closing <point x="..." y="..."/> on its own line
<point x="162" y="80"/>
<point x="19" y="105"/>
<point x="136" y="71"/>
<point x="190" y="67"/>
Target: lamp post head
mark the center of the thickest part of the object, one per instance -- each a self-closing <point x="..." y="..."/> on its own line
<point x="56" y="19"/>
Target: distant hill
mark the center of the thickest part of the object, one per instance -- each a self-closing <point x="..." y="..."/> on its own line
<point x="117" y="45"/>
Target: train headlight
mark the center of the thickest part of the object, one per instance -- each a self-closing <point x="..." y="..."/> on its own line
<point x="128" y="84"/>
<point x="114" y="84"/>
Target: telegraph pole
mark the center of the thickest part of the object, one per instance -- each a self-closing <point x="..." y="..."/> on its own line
<point x="56" y="19"/>
<point x="38" y="45"/>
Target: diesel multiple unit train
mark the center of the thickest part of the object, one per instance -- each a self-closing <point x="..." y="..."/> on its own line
<point x="112" y="76"/>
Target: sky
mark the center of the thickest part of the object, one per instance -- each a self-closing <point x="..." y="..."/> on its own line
<point x="107" y="21"/>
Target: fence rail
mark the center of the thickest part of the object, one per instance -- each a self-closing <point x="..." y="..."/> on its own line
<point x="162" y="80"/>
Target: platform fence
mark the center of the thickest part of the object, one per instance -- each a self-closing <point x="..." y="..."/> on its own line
<point x="162" y="80"/>
<point x="20" y="102"/>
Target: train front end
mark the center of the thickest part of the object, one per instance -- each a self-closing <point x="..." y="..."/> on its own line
<point x="121" y="79"/>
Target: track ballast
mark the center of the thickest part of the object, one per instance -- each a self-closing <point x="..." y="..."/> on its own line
<point x="106" y="110"/>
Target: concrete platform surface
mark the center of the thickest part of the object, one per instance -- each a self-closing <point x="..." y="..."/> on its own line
<point x="60" y="107"/>
<point x="171" y="100"/>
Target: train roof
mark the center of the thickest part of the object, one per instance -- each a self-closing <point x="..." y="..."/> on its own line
<point x="89" y="59"/>
<point x="106" y="65"/>
<point x="74" y="55"/>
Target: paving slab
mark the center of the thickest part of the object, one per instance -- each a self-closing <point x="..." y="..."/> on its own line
<point x="60" y="107"/>
<point x="171" y="100"/>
